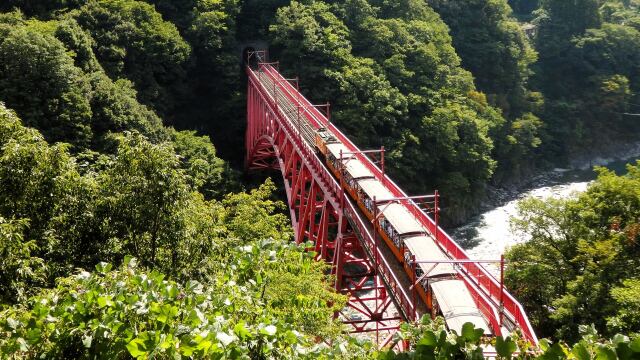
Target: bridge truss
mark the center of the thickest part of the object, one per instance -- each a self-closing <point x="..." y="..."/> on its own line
<point x="281" y="123"/>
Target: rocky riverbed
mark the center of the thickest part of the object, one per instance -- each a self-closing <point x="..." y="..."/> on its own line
<point x="489" y="234"/>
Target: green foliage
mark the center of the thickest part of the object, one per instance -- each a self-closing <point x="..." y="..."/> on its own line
<point x="627" y="301"/>
<point x="33" y="175"/>
<point x="590" y="45"/>
<point x="211" y="94"/>
<point x="116" y="109"/>
<point x="143" y="190"/>
<point x="209" y="174"/>
<point x="40" y="81"/>
<point x="40" y="7"/>
<point x="132" y="41"/>
<point x="393" y="77"/>
<point x="579" y="265"/>
<point x="20" y="273"/>
<point x="430" y="340"/>
<point x="54" y="64"/>
<point x="131" y="312"/>
<point x="141" y="200"/>
<point x="524" y="7"/>
<point x="494" y="48"/>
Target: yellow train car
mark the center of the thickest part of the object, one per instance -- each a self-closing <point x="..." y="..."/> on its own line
<point x="424" y="248"/>
<point x="365" y="191"/>
<point x="332" y="158"/>
<point x="349" y="171"/>
<point x="324" y="137"/>
<point x="396" y="223"/>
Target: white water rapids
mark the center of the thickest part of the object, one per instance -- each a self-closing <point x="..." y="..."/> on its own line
<point x="488" y="235"/>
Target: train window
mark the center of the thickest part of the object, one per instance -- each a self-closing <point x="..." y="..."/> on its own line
<point x="407" y="257"/>
<point x="396" y="240"/>
<point x="425" y="284"/>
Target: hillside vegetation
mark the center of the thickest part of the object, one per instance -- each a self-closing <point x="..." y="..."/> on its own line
<point x="125" y="233"/>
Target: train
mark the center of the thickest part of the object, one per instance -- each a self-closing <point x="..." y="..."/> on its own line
<point x="439" y="286"/>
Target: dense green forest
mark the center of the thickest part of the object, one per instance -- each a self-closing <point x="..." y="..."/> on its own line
<point x="582" y="262"/>
<point x="124" y="232"/>
<point x="455" y="90"/>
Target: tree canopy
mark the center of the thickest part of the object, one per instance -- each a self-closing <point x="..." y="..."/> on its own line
<point x="581" y="263"/>
<point x="108" y="109"/>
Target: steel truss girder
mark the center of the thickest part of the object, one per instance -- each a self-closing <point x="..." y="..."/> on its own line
<point x="316" y="213"/>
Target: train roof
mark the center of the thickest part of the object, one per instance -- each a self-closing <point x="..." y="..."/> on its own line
<point x="457" y="305"/>
<point x="357" y="169"/>
<point x="401" y="219"/>
<point x="425" y="248"/>
<point x="335" y="148"/>
<point x="373" y="187"/>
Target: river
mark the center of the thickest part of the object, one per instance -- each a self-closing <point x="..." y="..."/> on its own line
<point x="488" y="235"/>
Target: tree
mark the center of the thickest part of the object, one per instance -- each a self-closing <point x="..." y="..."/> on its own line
<point x="39" y="80"/>
<point x="20" y="273"/>
<point x="580" y="253"/>
<point x="40" y="7"/>
<point x="132" y="41"/>
<point x="209" y="174"/>
<point x="524" y="7"/>
<point x="115" y="109"/>
<point x="493" y="47"/>
<point x="627" y="299"/>
<point x="33" y="176"/>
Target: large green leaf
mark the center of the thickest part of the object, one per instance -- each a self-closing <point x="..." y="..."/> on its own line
<point x="136" y="348"/>
<point x="470" y="333"/>
<point x="605" y="353"/>
<point x="505" y="347"/>
<point x="581" y="352"/>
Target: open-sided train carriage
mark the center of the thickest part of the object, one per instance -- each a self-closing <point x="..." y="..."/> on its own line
<point x="424" y="248"/>
<point x="404" y="235"/>
<point x="395" y="223"/>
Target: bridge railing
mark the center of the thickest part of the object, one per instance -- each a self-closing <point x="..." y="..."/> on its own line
<point x="401" y="297"/>
<point x="481" y="278"/>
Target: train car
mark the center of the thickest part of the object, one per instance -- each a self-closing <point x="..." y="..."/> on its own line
<point x="424" y="248"/>
<point x="322" y="139"/>
<point x="366" y="191"/>
<point x="396" y="223"/>
<point x="332" y="158"/>
<point x="453" y="300"/>
<point x="441" y="289"/>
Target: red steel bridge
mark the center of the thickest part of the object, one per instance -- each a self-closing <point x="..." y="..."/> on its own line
<point x="282" y="134"/>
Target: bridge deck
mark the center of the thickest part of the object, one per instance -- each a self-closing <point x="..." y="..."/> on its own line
<point x="303" y="119"/>
<point x="308" y="133"/>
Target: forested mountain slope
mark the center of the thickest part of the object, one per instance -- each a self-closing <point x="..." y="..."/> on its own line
<point x="459" y="95"/>
<point x="106" y="115"/>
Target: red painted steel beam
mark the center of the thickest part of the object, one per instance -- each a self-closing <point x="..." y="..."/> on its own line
<point x="482" y="284"/>
<point x="272" y="142"/>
